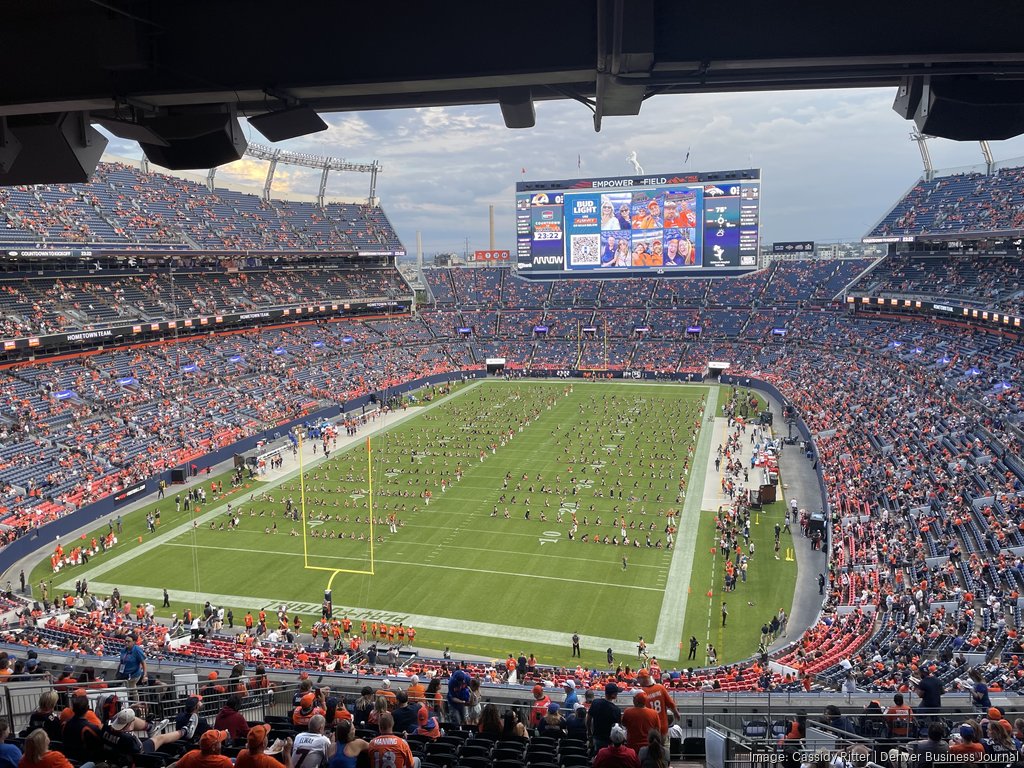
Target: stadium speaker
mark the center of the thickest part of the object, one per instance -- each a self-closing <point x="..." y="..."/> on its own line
<point x="908" y="96"/>
<point x="9" y="146"/>
<point x="517" y="108"/>
<point x="288" y="123"/>
<point x="195" y="140"/>
<point x="49" y="149"/>
<point x="964" y="109"/>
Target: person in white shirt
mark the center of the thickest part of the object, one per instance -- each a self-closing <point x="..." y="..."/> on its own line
<point x="312" y="749"/>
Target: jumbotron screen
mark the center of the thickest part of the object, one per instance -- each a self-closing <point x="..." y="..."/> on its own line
<point x="672" y="222"/>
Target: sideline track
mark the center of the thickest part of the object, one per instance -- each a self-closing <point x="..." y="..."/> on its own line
<point x="665" y="645"/>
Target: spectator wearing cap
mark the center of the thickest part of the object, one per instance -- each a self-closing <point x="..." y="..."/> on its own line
<point x="658" y="698"/>
<point x="121" y="743"/>
<point x="458" y="696"/>
<point x="312" y="749"/>
<point x="603" y="714"/>
<point x="212" y="687"/>
<point x="67" y="680"/>
<point x="616" y="754"/>
<point x="10" y="755"/>
<point x="552" y="725"/>
<point x="255" y="753"/>
<point x="348" y="747"/>
<point x="539" y="709"/>
<point x="231" y="720"/>
<point x="80" y="734"/>
<point x="638" y="721"/>
<point x="191" y="717"/>
<point x="965" y="742"/>
<point x="571" y="699"/>
<point x="208" y="755"/>
<point x="45" y="716"/>
<point x="930" y="690"/>
<point x="308" y="708"/>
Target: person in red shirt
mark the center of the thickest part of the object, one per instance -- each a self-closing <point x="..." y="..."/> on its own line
<point x="540" y="705"/>
<point x="638" y="721"/>
<point x="616" y="754"/>
<point x="658" y="699"/>
<point x="388" y="750"/>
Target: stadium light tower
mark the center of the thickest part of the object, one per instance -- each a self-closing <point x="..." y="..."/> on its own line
<point x="322" y="163"/>
<point x="926" y="157"/>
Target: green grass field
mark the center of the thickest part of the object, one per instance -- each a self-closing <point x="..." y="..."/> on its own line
<point x="481" y="583"/>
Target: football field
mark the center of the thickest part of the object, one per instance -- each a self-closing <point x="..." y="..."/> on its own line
<point x="496" y="520"/>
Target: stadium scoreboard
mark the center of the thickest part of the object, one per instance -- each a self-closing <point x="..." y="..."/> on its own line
<point x="684" y="222"/>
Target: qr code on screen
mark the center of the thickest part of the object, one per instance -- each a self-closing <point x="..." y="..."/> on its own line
<point x="585" y="250"/>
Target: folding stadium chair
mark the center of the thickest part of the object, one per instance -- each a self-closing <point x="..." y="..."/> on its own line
<point x="506" y="763"/>
<point x="475" y="749"/>
<point x="755" y="729"/>
<point x="573" y="760"/>
<point x="779" y="729"/>
<point x="440" y="748"/>
<point x="474" y="761"/>
<point x="675" y="748"/>
<point x="442" y="759"/>
<point x="694" y="748"/>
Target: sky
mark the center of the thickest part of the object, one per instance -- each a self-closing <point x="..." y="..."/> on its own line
<point x="833" y="162"/>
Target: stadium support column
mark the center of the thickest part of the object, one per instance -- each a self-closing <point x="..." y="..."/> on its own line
<point x="374" y="168"/>
<point x="270" y="174"/>
<point x="210" y="175"/>
<point x="926" y="156"/>
<point x="986" y="152"/>
<point x="323" y="182"/>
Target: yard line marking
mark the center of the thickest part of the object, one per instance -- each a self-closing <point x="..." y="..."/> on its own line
<point x="426" y="565"/>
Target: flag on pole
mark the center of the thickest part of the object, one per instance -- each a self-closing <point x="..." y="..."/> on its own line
<point x="579" y="161"/>
<point x="524" y="171"/>
<point x="687" y="156"/>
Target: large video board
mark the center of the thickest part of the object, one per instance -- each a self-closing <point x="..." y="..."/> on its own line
<point x="671" y="222"/>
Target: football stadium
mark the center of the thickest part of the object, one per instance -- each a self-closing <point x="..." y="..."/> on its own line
<point x="629" y="486"/>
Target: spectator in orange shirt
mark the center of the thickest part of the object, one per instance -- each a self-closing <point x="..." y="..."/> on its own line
<point x="38" y="754"/>
<point x="638" y="721"/>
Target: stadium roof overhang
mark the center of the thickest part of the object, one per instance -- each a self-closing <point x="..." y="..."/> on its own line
<point x="146" y="60"/>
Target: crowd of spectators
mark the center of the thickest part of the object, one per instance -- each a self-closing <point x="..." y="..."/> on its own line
<point x="985" y="281"/>
<point x="918" y="439"/>
<point x="960" y="203"/>
<point x="122" y="206"/>
<point x="33" y="305"/>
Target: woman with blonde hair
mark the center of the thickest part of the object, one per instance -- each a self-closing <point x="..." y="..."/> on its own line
<point x="380" y="706"/>
<point x="46" y="715"/>
<point x="38" y="754"/>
